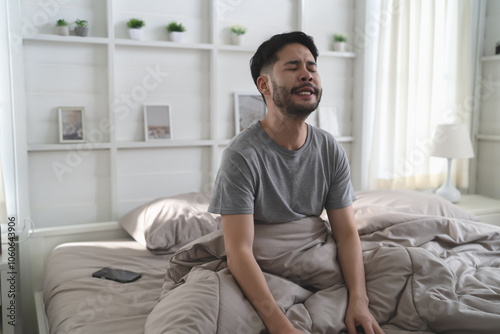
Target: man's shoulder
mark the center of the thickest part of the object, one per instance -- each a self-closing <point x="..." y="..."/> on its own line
<point x="244" y="143"/>
<point x="246" y="139"/>
<point x="319" y="134"/>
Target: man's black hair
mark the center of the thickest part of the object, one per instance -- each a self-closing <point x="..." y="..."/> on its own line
<point x="266" y="53"/>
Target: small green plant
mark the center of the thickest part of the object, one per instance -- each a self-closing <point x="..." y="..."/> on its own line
<point x="175" y="26"/>
<point x="339" y="38"/>
<point x="81" y="23"/>
<point x="61" y="23"/>
<point x="239" y="29"/>
<point x="135" y="23"/>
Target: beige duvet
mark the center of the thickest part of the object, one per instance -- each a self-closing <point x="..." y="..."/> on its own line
<point x="430" y="268"/>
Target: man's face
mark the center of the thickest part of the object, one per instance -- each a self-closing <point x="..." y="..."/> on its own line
<point x="296" y="84"/>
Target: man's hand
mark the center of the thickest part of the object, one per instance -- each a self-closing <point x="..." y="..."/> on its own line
<point x="357" y="315"/>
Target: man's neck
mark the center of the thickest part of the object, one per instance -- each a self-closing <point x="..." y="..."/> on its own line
<point x="288" y="133"/>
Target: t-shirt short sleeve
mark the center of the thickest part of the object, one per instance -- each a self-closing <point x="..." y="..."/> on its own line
<point x="234" y="190"/>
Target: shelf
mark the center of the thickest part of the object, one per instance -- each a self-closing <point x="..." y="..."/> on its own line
<point x="337" y="54"/>
<point x="68" y="147"/>
<point x="488" y="137"/>
<point x="163" y="44"/>
<point x="126" y="145"/>
<point x="177" y="45"/>
<point x="67" y="39"/>
<point x="238" y="48"/>
<point x="171" y="143"/>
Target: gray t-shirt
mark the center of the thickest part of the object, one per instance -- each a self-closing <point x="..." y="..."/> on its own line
<point x="257" y="176"/>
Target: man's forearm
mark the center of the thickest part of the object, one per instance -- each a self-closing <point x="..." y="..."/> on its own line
<point x="249" y="276"/>
<point x="351" y="261"/>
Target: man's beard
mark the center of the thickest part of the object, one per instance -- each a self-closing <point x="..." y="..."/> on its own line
<point x="282" y="98"/>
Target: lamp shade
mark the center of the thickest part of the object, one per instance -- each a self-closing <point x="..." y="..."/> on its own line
<point x="452" y="141"/>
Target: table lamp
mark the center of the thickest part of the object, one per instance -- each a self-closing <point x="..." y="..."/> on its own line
<point x="451" y="141"/>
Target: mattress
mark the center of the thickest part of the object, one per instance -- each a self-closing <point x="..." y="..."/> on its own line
<point x="80" y="303"/>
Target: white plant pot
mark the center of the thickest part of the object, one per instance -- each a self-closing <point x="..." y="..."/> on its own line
<point x="136" y="34"/>
<point x="176" y="36"/>
<point x="236" y="39"/>
<point x="62" y="30"/>
<point x="339" y="46"/>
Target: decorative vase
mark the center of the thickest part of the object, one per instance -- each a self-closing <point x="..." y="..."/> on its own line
<point x="236" y="39"/>
<point x="62" y="30"/>
<point x="339" y="46"/>
<point x="176" y="36"/>
<point x="136" y="34"/>
<point x="81" y="31"/>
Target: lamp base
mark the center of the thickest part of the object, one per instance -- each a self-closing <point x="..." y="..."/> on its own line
<point x="449" y="192"/>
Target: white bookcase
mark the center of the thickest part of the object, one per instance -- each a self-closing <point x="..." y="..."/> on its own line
<point x="61" y="186"/>
<point x="112" y="77"/>
<point x="486" y="118"/>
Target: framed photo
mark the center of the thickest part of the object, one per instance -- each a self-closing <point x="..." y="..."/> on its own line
<point x="157" y="122"/>
<point x="249" y="108"/>
<point x="71" y="124"/>
<point x="329" y="120"/>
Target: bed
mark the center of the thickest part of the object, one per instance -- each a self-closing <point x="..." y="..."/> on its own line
<point x="430" y="268"/>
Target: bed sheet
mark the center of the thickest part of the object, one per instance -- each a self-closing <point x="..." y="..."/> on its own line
<point x="76" y="302"/>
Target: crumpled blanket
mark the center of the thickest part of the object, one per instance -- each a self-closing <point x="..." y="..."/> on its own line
<point x="424" y="274"/>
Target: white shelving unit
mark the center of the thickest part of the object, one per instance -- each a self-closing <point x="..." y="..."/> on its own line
<point x="61" y="186"/>
<point x="113" y="77"/>
<point x="486" y="118"/>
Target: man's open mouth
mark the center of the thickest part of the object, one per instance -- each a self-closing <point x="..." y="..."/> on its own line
<point x="305" y="90"/>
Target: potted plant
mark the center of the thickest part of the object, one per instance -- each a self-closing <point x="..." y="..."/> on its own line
<point x="175" y="31"/>
<point x="81" y="28"/>
<point x="339" y="42"/>
<point x="237" y="32"/>
<point x="62" y="27"/>
<point x="135" y="28"/>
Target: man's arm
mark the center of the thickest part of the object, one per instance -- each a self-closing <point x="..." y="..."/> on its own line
<point x="350" y="257"/>
<point x="238" y="241"/>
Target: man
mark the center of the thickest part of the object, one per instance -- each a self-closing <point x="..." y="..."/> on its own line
<point x="281" y="169"/>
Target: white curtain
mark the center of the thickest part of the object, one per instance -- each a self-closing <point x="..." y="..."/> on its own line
<point x="421" y="76"/>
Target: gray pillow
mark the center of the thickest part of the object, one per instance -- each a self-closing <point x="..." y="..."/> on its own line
<point x="166" y="224"/>
<point x="411" y="201"/>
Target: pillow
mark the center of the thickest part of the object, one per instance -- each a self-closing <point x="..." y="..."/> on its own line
<point x="411" y="201"/>
<point x="166" y="224"/>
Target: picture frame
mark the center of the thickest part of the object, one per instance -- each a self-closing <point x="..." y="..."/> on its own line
<point x="71" y="124"/>
<point x="329" y="120"/>
<point x="157" y="122"/>
<point x="249" y="108"/>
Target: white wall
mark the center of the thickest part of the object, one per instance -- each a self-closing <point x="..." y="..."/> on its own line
<point x="488" y="127"/>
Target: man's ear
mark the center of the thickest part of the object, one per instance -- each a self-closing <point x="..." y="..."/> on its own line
<point x="264" y="84"/>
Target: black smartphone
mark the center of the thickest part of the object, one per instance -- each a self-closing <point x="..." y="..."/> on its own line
<point x="118" y="275"/>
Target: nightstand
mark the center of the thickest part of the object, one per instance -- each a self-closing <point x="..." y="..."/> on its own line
<point x="485" y="208"/>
